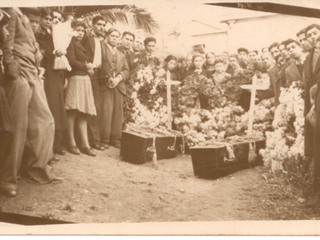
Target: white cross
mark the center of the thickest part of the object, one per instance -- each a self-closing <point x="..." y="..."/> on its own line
<point x="169" y="83"/>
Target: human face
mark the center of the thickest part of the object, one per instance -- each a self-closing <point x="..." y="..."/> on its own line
<point x="219" y="67"/>
<point x="172" y="64"/>
<point x="79" y="32"/>
<point x="4" y="34"/>
<point x="233" y="60"/>
<point x="198" y="62"/>
<point x="243" y="55"/>
<point x="113" y="38"/>
<point x="127" y="41"/>
<point x="46" y="21"/>
<point x="312" y="35"/>
<point x="189" y="61"/>
<point x="137" y="45"/>
<point x="34" y="22"/>
<point x="98" y="28"/>
<point x="294" y="50"/>
<point x="210" y="58"/>
<point x="275" y="52"/>
<point x="57" y="18"/>
<point x="151" y="47"/>
<point x="267" y="60"/>
<point x="305" y="44"/>
<point x="253" y="56"/>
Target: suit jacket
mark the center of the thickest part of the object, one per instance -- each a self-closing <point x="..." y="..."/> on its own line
<point x="131" y="58"/>
<point x="77" y="57"/>
<point x="121" y="69"/>
<point x="20" y="49"/>
<point x="292" y="74"/>
<point x="89" y="44"/>
<point x="276" y="82"/>
<point x="145" y="61"/>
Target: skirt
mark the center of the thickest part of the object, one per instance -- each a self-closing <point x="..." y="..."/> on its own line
<point x="79" y="95"/>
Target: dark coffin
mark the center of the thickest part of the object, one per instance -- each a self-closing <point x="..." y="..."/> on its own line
<point x="208" y="161"/>
<point x="134" y="147"/>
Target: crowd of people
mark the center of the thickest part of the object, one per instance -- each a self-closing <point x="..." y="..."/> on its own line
<point x="57" y="98"/>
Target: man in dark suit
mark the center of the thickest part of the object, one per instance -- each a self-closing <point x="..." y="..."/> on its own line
<point x="147" y="56"/>
<point x="126" y="44"/>
<point x="116" y="71"/>
<point x="311" y="67"/>
<point x="32" y="119"/>
<point x="294" y="71"/>
<point x="93" y="43"/>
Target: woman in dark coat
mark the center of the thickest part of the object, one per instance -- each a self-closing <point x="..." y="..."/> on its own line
<point x="79" y="95"/>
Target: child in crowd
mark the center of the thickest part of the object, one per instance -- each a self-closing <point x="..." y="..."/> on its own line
<point x="171" y="65"/>
<point x="220" y="76"/>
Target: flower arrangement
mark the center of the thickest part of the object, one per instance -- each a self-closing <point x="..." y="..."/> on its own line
<point x="287" y="138"/>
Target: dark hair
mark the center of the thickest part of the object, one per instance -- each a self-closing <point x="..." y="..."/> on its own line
<point x="219" y="60"/>
<point x="312" y="26"/>
<point x="128" y="33"/>
<point x="45" y="12"/>
<point x="197" y="55"/>
<point x="33" y="11"/>
<point x="98" y="18"/>
<point x="210" y="53"/>
<point x="234" y="56"/>
<point x="290" y="40"/>
<point x="302" y="31"/>
<point x="243" y="50"/>
<point x="169" y="58"/>
<point x="57" y="11"/>
<point x="78" y="23"/>
<point x="255" y="51"/>
<point x="111" y="30"/>
<point x="149" y="39"/>
<point x="4" y="18"/>
<point x="264" y="48"/>
<point x="275" y="44"/>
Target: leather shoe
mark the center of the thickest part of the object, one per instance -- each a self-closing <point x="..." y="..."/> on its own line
<point x="105" y="145"/>
<point x="88" y="151"/>
<point x="74" y="150"/>
<point x="61" y="152"/>
<point x="56" y="180"/>
<point x="98" y="147"/>
<point x="8" y="192"/>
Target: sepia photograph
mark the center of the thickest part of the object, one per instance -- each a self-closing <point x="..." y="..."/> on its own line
<point x="146" y="117"/>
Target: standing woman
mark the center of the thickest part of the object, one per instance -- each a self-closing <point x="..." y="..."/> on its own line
<point x="210" y="59"/>
<point x="79" y="96"/>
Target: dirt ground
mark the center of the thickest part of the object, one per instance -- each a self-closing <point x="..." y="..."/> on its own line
<point x="105" y="189"/>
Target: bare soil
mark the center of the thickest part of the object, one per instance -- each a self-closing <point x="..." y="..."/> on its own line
<point x="105" y="189"/>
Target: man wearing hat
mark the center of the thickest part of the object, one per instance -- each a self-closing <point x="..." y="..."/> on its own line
<point x="147" y="57"/>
